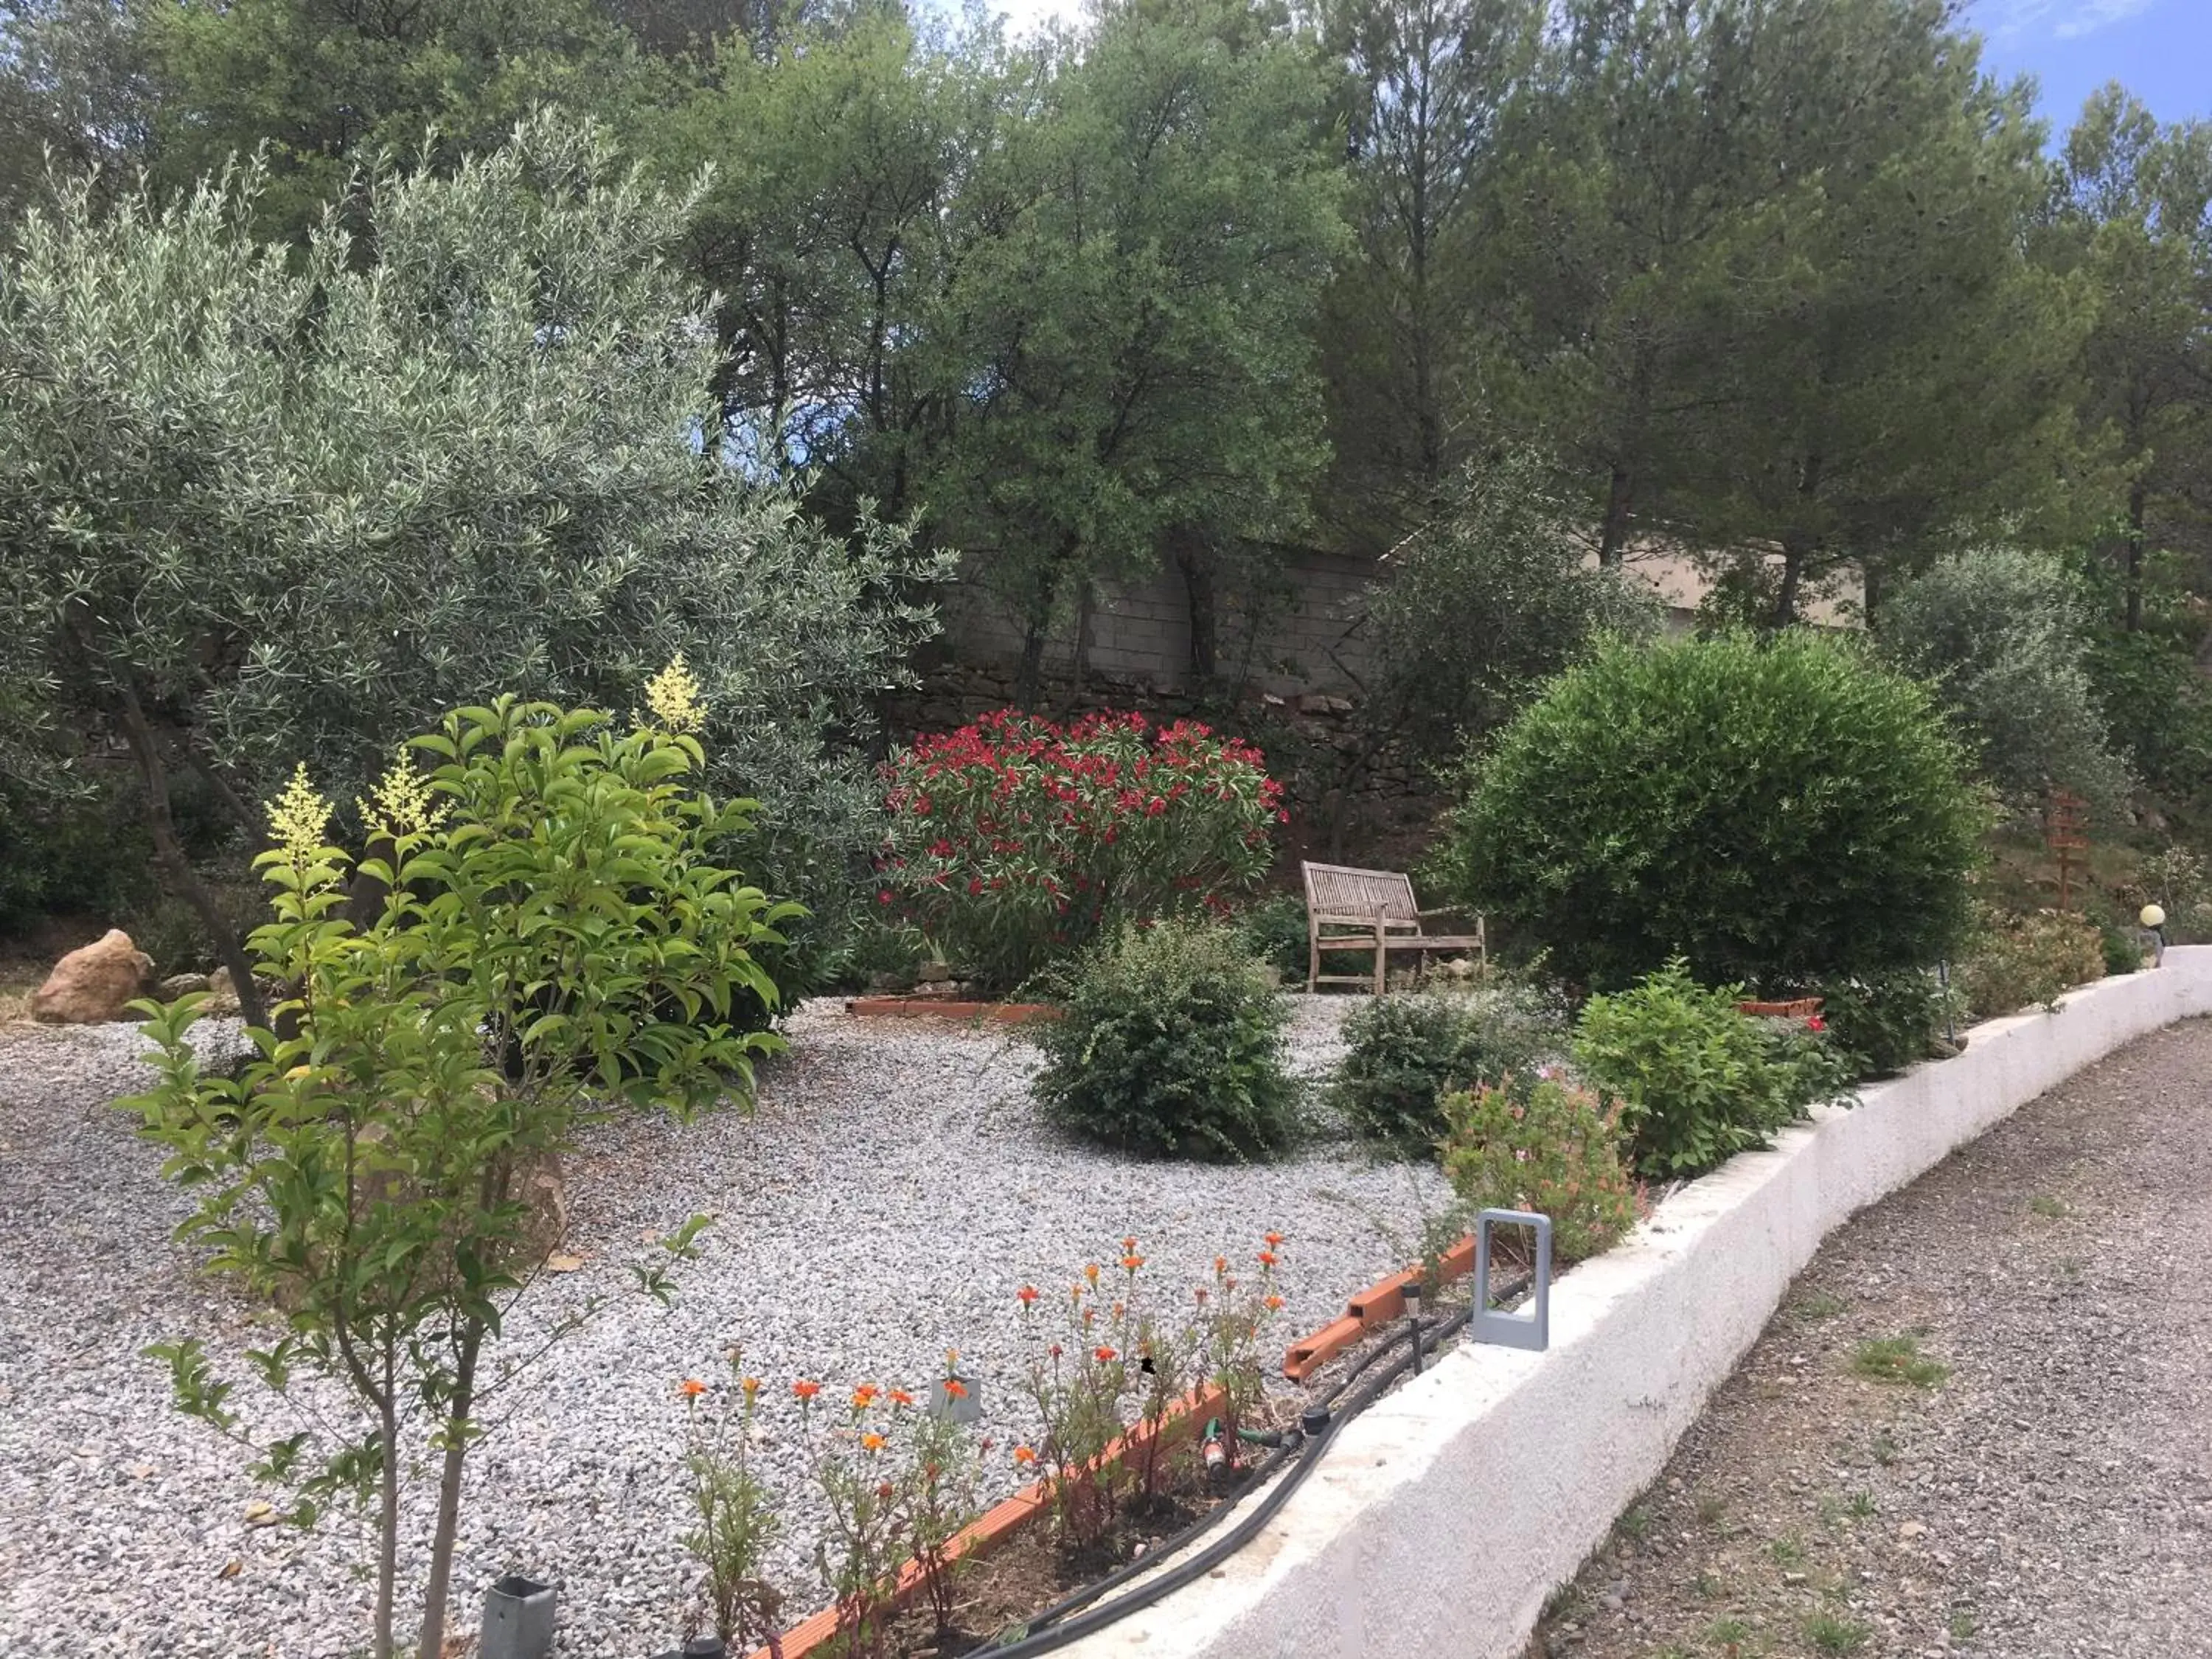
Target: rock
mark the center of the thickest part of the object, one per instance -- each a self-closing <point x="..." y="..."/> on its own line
<point x="222" y="996"/>
<point x="94" y="983"/>
<point x="180" y="985"/>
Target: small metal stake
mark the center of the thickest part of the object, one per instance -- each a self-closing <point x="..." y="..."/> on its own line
<point x="1413" y="1299"/>
<point x="1532" y="1329"/>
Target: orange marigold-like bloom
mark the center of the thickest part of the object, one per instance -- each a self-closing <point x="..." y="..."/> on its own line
<point x="805" y="1389"/>
<point x="1090" y="1273"/>
<point x="863" y="1396"/>
<point x="1220" y="1266"/>
<point x="1274" y="1240"/>
<point x="1103" y="1355"/>
<point x="1129" y="1245"/>
<point x="1266" y="1258"/>
<point x="692" y="1387"/>
<point x="900" y="1397"/>
<point x="871" y="1442"/>
<point x="1133" y="1262"/>
<point x="955" y="1389"/>
<point x="750" y="1385"/>
<point x="1026" y="1294"/>
<point x="1024" y="1455"/>
<point x="1274" y="1303"/>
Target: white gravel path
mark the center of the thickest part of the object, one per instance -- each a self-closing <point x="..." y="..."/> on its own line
<point x="892" y="1192"/>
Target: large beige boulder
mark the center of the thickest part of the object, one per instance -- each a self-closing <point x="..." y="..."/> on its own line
<point x="94" y="983"/>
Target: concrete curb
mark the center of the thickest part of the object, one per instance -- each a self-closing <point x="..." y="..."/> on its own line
<point x="1447" y="1513"/>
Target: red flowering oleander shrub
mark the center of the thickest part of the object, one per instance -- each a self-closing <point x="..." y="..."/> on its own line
<point x="1015" y="841"/>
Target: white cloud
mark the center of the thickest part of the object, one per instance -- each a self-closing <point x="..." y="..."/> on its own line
<point x="2056" y="20"/>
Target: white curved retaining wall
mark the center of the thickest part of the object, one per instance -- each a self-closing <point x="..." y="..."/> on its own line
<point x="1446" y="1513"/>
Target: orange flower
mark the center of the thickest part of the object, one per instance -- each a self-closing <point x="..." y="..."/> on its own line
<point x="1090" y="1273"/>
<point x="693" y="1388"/>
<point x="1104" y="1356"/>
<point x="1266" y="1258"/>
<point x="863" y="1396"/>
<point x="1129" y="1245"/>
<point x="1026" y="1294"/>
<point x="1274" y="1241"/>
<point x="955" y="1389"/>
<point x="806" y="1390"/>
<point x="884" y="1490"/>
<point x="1220" y="1266"/>
<point x="1024" y="1456"/>
<point x="1133" y="1262"/>
<point x="1275" y="1304"/>
<point x="900" y="1397"/>
<point x="750" y="1385"/>
<point x="871" y="1442"/>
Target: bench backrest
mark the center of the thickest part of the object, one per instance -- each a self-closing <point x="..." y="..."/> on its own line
<point x="1336" y="889"/>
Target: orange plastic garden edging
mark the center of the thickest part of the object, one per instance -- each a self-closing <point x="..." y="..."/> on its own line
<point x="1377" y="1305"/>
<point x="1005" y="1013"/>
<point x="1796" y="1008"/>
<point x="1002" y="1521"/>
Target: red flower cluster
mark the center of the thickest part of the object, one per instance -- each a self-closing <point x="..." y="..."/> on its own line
<point x="1015" y="838"/>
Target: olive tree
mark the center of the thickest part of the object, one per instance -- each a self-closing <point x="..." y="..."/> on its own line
<point x="260" y="506"/>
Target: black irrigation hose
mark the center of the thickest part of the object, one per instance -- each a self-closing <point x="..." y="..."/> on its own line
<point x="1313" y="1442"/>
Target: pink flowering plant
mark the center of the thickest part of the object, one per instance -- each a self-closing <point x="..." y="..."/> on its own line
<point x="1015" y="842"/>
<point x="1547" y="1147"/>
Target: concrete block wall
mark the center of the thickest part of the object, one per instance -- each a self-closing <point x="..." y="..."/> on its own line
<point x="1444" y="1515"/>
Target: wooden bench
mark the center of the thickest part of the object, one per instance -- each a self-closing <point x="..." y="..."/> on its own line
<point x="1369" y="910"/>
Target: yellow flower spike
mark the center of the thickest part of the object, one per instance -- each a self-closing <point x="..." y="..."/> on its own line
<point x="672" y="696"/>
<point x="299" y="817"/>
<point x="400" y="802"/>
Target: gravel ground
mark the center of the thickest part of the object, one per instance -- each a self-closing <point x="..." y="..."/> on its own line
<point x="2044" y="1491"/>
<point x="892" y="1192"/>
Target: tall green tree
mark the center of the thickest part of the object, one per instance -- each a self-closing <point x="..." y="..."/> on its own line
<point x="1430" y="84"/>
<point x="1135" y="378"/>
<point x="2134" y="220"/>
<point x="320" y="87"/>
<point x="74" y="94"/>
<point x="1881" y="359"/>
<point x="259" y="508"/>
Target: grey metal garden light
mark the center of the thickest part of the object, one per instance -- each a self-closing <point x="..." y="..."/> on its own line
<point x="2153" y="917"/>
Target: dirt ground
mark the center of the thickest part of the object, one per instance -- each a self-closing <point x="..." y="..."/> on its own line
<point x="1981" y="1423"/>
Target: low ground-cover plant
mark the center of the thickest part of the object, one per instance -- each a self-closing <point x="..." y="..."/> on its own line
<point x="1538" y="1143"/>
<point x="2017" y="961"/>
<point x="1775" y="809"/>
<point x="1016" y="843"/>
<point x="540" y="933"/>
<point x="1171" y="1044"/>
<point x="1405" y="1052"/>
<point x="1697" y="1081"/>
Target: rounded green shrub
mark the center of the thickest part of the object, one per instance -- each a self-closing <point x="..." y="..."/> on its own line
<point x="1404" y="1053"/>
<point x="1171" y="1043"/>
<point x="1774" y="809"/>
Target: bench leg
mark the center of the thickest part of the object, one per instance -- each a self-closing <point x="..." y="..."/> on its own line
<point x="1313" y="959"/>
<point x="1382" y="962"/>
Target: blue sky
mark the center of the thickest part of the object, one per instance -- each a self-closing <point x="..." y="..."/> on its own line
<point x="2160" y="50"/>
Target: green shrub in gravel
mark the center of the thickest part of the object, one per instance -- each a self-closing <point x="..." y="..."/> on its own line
<point x="1697" y="1081"/>
<point x="1404" y="1053"/>
<point x="2018" y="962"/>
<point x="1170" y="1043"/>
<point x="1538" y="1143"/>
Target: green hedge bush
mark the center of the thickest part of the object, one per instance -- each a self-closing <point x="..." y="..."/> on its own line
<point x="1404" y="1053"/>
<point x="2018" y="962"/>
<point x="1697" y="1082"/>
<point x="1774" y="809"/>
<point x="1885" y="1022"/>
<point x="1171" y="1044"/>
